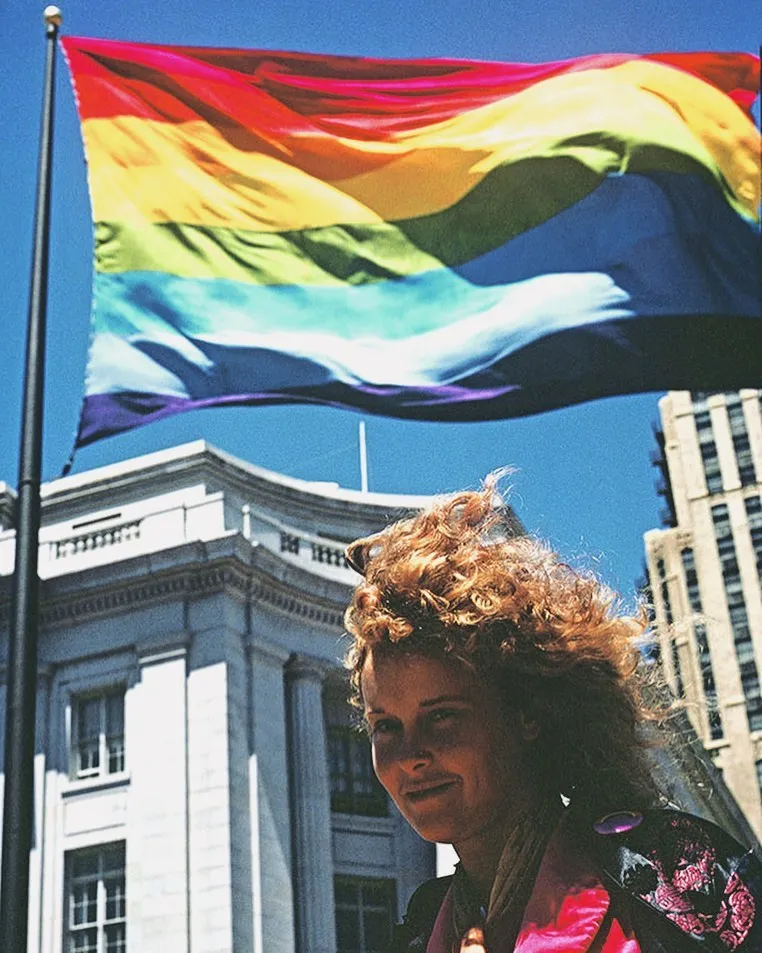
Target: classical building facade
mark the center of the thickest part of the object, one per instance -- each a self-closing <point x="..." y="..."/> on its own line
<point x="704" y="568"/>
<point x="199" y="781"/>
<point x="200" y="785"/>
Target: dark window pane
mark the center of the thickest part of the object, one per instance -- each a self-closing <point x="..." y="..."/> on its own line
<point x="116" y="938"/>
<point x="378" y="930"/>
<point x="345" y="891"/>
<point x="113" y="859"/>
<point x="84" y="865"/>
<point x="115" y="757"/>
<point x="115" y="714"/>
<point x="115" y="899"/>
<point x="348" y="931"/>
<point x="364" y="925"/>
<point x="84" y="908"/>
<point x="89" y="719"/>
<point x="85" y="941"/>
<point x="89" y="758"/>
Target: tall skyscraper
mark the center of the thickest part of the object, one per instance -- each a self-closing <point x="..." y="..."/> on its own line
<point x="704" y="566"/>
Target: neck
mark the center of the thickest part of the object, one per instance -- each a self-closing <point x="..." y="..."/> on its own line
<point x="480" y="857"/>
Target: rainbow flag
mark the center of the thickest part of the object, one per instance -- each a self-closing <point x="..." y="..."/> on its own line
<point x="434" y="239"/>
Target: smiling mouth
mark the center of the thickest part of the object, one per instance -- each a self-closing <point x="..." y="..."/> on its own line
<point x="421" y="794"/>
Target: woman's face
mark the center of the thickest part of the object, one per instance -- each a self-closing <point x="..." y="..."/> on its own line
<point x="450" y="757"/>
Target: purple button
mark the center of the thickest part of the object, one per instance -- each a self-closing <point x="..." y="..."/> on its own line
<point x="618" y="823"/>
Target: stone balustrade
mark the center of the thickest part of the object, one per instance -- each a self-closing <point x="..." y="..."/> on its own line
<point x="69" y="547"/>
<point x="95" y="539"/>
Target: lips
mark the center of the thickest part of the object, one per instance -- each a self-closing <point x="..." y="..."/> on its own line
<point x="429" y="789"/>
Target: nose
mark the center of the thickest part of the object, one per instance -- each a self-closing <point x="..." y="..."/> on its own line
<point x="414" y="753"/>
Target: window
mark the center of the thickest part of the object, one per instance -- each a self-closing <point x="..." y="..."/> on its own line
<point x="746" y="472"/>
<point x="721" y="520"/>
<point x="738" y="617"/>
<point x="365" y="914"/>
<point x="727" y="550"/>
<point x="702" y="644"/>
<point x="664" y="589"/>
<point x="754" y="516"/>
<point x="751" y="688"/>
<point x="707" y="446"/>
<point x="691" y="579"/>
<point x="354" y="786"/>
<point x="759" y="774"/>
<point x="745" y="652"/>
<point x="753" y="704"/>
<point x="98" y="734"/>
<point x="740" y="440"/>
<point x="96" y="901"/>
<point x="355" y="789"/>
<point x="711" y="467"/>
<point x="739" y="622"/>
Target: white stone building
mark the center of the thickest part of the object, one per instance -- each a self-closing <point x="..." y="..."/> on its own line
<point x="199" y="784"/>
<point x="704" y="569"/>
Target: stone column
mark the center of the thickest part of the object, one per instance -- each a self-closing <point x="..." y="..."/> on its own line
<point x="268" y="792"/>
<point x="219" y="836"/>
<point x="310" y="806"/>
<point x="416" y="860"/>
<point x="157" y="858"/>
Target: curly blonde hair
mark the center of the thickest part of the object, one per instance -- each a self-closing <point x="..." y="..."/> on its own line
<point x="456" y="581"/>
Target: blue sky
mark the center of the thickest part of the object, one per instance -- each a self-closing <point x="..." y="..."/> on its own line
<point x="583" y="476"/>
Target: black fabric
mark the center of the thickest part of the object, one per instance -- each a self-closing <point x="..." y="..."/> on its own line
<point x="690" y="885"/>
<point x="679" y="880"/>
<point x="412" y="935"/>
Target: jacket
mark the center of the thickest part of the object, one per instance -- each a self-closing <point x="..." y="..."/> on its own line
<point x="659" y="882"/>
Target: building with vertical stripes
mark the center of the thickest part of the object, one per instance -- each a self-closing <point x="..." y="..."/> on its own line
<point x="704" y="567"/>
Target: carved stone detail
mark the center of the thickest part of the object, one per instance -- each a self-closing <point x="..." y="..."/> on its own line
<point x="225" y="575"/>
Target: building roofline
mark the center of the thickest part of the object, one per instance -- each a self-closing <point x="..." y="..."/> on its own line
<point x="199" y="453"/>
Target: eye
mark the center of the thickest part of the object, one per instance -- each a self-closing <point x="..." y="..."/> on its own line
<point x="383" y="726"/>
<point x="444" y="716"/>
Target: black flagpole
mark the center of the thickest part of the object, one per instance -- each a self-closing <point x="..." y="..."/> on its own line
<point x="22" y="664"/>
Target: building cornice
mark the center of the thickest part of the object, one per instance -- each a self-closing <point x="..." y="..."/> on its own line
<point x="304" y="500"/>
<point x="198" y="571"/>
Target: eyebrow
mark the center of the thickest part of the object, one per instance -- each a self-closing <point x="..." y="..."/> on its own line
<point x="426" y="703"/>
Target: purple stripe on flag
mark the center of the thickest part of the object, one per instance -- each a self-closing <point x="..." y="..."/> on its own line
<point x="572" y="366"/>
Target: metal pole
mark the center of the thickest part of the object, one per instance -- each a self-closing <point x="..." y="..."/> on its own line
<point x="22" y="664"/>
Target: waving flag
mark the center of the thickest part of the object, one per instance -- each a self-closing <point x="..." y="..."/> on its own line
<point x="435" y="239"/>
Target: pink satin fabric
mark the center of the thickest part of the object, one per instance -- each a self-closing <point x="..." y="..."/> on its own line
<point x="568" y="912"/>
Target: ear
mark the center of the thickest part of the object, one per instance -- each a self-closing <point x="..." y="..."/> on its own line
<point x="530" y="727"/>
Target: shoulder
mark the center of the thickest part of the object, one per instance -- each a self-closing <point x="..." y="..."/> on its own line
<point x="412" y="935"/>
<point x="686" y="878"/>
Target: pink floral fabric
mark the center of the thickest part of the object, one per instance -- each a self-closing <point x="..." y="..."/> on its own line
<point x="690" y="891"/>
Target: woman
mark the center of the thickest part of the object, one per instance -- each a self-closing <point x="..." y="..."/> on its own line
<point x="502" y="695"/>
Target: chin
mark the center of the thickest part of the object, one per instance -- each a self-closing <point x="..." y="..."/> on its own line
<point x="436" y="832"/>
